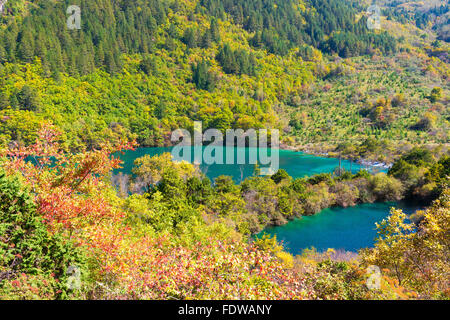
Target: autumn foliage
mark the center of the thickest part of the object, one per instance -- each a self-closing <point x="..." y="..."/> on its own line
<point x="74" y="199"/>
<point x="164" y="243"/>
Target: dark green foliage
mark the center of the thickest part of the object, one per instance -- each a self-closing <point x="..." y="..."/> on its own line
<point x="423" y="177"/>
<point x="343" y="174"/>
<point x="318" y="178"/>
<point x="347" y="44"/>
<point x="362" y="174"/>
<point x="25" y="244"/>
<point x="306" y="52"/>
<point x="4" y="101"/>
<point x="418" y="156"/>
<point x="223" y="184"/>
<point x="296" y="124"/>
<point x="403" y="170"/>
<point x="436" y="94"/>
<point x="179" y="200"/>
<point x="190" y="38"/>
<point x="214" y="31"/>
<point x="28" y="99"/>
<point x="440" y="173"/>
<point x="108" y="30"/>
<point x="148" y="66"/>
<point x="299" y="185"/>
<point x="202" y="77"/>
<point x="280" y="176"/>
<point x="198" y="190"/>
<point x="236" y="61"/>
<point x="280" y="25"/>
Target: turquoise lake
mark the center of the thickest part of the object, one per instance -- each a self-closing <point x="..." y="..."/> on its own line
<point x="297" y="164"/>
<point x="341" y="228"/>
<point x="349" y="229"/>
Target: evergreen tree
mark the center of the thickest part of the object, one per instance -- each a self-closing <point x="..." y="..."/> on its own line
<point x="202" y="77"/>
<point x="28" y="99"/>
<point x="190" y="38"/>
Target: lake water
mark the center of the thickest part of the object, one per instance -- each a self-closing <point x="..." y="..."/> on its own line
<point x="350" y="228"/>
<point x="297" y="164"/>
<point x="340" y="228"/>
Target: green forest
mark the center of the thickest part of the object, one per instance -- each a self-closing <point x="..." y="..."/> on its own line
<point x="136" y="70"/>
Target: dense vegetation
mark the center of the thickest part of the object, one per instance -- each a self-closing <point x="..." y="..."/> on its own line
<point x="281" y="25"/>
<point x="191" y="236"/>
<point x="111" y="28"/>
<point x="259" y="201"/>
<point x="137" y="70"/>
<point x="433" y="13"/>
<point x="143" y="68"/>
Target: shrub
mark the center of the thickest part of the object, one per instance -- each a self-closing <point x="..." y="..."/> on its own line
<point x="386" y="188"/>
<point x="317" y="198"/>
<point x="27" y="248"/>
<point x="280" y="175"/>
<point x="345" y="195"/>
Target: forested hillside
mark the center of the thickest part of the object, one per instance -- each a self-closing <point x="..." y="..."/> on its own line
<point x="142" y="68"/>
<point x="111" y="28"/>
<point x="431" y="14"/>
<point x="72" y="99"/>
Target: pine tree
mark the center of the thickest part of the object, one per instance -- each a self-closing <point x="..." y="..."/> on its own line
<point x="190" y="38"/>
<point x="214" y="30"/>
<point x="26" y="50"/>
<point x="3" y="55"/>
<point x="202" y="77"/>
<point x="28" y="99"/>
<point x="4" y="101"/>
<point x="206" y="39"/>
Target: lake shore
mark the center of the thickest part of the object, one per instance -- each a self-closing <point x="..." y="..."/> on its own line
<point x="345" y="229"/>
<point x="334" y="155"/>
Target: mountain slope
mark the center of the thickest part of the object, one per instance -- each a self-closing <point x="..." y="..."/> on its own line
<point x="144" y="68"/>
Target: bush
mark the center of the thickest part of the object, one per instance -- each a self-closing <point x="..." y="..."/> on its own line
<point x="386" y="188"/>
<point x="317" y="198"/>
<point x="280" y="176"/>
<point x="346" y="195"/>
<point x="28" y="249"/>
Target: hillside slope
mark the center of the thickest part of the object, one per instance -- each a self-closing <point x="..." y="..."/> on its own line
<point x="143" y="68"/>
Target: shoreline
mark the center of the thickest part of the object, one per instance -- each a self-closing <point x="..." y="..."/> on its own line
<point x="419" y="204"/>
<point x="360" y="161"/>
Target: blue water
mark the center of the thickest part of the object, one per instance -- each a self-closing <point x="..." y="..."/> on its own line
<point x="340" y="228"/>
<point x="350" y="228"/>
<point x="297" y="164"/>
